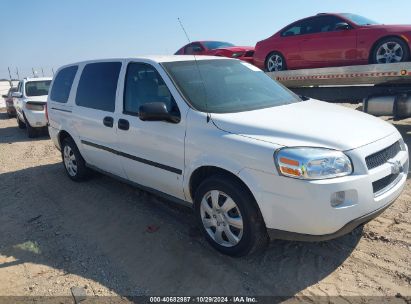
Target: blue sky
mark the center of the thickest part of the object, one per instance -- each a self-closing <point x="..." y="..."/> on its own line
<point x="49" y="33"/>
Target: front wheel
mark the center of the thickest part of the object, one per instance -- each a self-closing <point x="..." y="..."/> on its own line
<point x="390" y="50"/>
<point x="275" y="62"/>
<point x="229" y="217"/>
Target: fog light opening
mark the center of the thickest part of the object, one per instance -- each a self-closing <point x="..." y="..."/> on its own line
<point x="337" y="198"/>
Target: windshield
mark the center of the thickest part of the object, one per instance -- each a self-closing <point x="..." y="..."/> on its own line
<point x="211" y="45"/>
<point x="227" y="86"/>
<point x="360" y="20"/>
<point x="37" y="88"/>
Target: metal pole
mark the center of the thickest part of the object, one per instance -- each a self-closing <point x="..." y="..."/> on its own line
<point x="42" y="72"/>
<point x="32" y="69"/>
<point x="52" y="69"/>
<point x="9" y="73"/>
<point x="17" y="72"/>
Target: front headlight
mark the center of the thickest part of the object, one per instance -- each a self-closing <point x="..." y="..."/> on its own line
<point x="312" y="163"/>
<point x="237" y="54"/>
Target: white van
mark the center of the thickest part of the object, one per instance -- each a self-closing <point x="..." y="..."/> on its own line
<point x="251" y="157"/>
<point x="30" y="103"/>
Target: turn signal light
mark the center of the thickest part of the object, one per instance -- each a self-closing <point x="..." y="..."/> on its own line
<point x="294" y="172"/>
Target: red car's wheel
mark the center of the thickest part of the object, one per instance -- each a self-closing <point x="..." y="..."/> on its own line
<point x="275" y="62"/>
<point x="390" y="50"/>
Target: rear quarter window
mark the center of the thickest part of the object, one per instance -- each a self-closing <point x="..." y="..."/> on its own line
<point x="97" y="86"/>
<point x="62" y="84"/>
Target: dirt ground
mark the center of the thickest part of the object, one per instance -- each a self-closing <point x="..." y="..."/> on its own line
<point x="112" y="239"/>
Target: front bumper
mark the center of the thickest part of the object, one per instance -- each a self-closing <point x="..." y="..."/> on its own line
<point x="347" y="228"/>
<point x="301" y="209"/>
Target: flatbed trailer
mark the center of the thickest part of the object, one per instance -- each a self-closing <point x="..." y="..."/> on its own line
<point x="385" y="89"/>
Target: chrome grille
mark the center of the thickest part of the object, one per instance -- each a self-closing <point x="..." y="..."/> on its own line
<point x="381" y="157"/>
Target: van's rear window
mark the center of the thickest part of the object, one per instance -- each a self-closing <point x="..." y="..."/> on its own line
<point x="37" y="88"/>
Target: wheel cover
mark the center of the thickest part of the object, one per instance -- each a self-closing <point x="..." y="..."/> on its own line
<point x="275" y="63"/>
<point x="221" y="218"/>
<point x="70" y="161"/>
<point x="389" y="52"/>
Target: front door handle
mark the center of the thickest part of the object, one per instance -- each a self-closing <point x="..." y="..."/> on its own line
<point x="108" y="121"/>
<point x="123" y="124"/>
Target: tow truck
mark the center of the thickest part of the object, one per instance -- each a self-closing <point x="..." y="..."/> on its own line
<point x="384" y="89"/>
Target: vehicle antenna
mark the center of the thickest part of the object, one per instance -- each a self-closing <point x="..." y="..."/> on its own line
<point x="198" y="68"/>
<point x="184" y="30"/>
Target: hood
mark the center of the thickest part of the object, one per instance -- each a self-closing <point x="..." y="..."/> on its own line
<point x="309" y="123"/>
<point x="42" y="98"/>
<point x="238" y="48"/>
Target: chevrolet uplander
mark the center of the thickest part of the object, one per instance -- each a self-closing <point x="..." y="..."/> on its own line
<point x="253" y="159"/>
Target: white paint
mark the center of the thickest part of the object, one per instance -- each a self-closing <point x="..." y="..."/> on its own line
<point x="243" y="144"/>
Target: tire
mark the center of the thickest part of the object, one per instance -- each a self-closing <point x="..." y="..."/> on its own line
<point x="390" y="50"/>
<point x="275" y="61"/>
<point x="73" y="162"/>
<point x="241" y="211"/>
<point x="20" y="123"/>
<point x="31" y="132"/>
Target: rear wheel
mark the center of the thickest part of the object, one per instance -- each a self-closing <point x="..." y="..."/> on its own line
<point x="20" y="123"/>
<point x="390" y="50"/>
<point x="229" y="217"/>
<point x="275" y="62"/>
<point x="31" y="132"/>
<point x="73" y="161"/>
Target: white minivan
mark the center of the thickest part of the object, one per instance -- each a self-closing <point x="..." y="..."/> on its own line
<point x="252" y="158"/>
<point x="30" y="103"/>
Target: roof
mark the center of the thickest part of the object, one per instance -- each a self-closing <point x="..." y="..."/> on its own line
<point x="153" y="58"/>
<point x="173" y="58"/>
<point x="37" y="78"/>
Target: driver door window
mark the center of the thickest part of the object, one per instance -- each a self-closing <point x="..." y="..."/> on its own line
<point x="144" y="85"/>
<point x="194" y="48"/>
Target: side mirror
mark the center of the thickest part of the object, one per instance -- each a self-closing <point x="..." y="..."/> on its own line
<point x="342" y="26"/>
<point x="157" y="111"/>
<point x="16" y="94"/>
<point x="4" y="96"/>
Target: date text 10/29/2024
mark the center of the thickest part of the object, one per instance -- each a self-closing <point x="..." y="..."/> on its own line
<point x="205" y="299"/>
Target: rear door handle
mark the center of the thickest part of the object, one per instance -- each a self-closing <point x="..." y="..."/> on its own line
<point x="108" y="121"/>
<point x="123" y="124"/>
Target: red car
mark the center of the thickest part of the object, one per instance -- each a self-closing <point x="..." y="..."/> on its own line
<point x="11" y="110"/>
<point x="217" y="48"/>
<point x="327" y="40"/>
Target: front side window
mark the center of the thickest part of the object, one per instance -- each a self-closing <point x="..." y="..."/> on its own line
<point x="227" y="86"/>
<point x="37" y="88"/>
<point x="97" y="86"/>
<point x="328" y="23"/>
<point x="11" y="91"/>
<point x="62" y="84"/>
<point x="313" y="25"/>
<point x="145" y="85"/>
<point x="193" y="48"/>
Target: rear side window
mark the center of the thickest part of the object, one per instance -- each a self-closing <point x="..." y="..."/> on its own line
<point x="62" y="84"/>
<point x="98" y="85"/>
